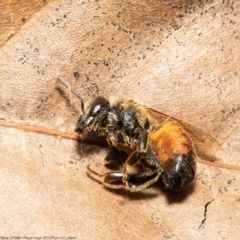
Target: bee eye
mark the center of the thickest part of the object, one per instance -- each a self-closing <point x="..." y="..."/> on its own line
<point x="96" y="110"/>
<point x="97" y="106"/>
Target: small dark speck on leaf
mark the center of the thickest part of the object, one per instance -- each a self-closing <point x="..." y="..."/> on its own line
<point x="76" y="75"/>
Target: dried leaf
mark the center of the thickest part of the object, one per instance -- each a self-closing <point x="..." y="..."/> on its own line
<point x="179" y="57"/>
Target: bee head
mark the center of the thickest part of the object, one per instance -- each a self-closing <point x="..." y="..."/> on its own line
<point x="93" y="115"/>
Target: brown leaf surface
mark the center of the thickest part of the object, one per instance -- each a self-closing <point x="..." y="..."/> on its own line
<point x="179" y="57"/>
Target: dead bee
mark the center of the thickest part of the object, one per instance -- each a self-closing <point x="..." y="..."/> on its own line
<point x="157" y="146"/>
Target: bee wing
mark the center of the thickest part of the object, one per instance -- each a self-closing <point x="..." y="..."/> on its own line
<point x="205" y="145"/>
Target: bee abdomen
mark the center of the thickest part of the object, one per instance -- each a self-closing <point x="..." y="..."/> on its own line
<point x="180" y="171"/>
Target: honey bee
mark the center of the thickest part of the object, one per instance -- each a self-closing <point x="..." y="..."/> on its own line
<point x="157" y="146"/>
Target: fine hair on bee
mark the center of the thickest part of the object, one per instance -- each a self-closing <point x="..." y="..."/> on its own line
<point x="156" y="146"/>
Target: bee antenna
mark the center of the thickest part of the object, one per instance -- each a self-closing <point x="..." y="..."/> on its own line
<point x="67" y="85"/>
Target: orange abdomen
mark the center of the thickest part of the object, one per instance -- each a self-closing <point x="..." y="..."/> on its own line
<point x="169" y="140"/>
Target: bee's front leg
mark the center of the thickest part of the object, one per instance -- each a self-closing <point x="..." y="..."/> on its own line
<point x="142" y="146"/>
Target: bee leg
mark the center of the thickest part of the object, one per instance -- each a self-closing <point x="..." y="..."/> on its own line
<point x="138" y="183"/>
<point x="114" y="156"/>
<point x="120" y="180"/>
<point x="111" y="179"/>
<point x="141" y="171"/>
<point x="142" y="147"/>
